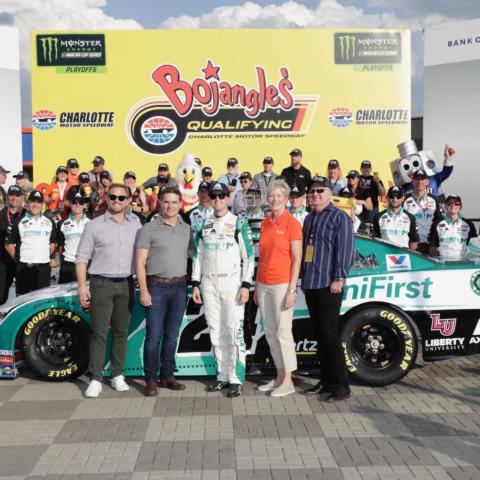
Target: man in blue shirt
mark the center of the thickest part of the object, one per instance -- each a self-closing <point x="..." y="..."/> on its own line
<point x="328" y="243"/>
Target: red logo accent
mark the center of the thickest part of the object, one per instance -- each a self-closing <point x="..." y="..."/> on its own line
<point x="217" y="93"/>
<point x="446" y="326"/>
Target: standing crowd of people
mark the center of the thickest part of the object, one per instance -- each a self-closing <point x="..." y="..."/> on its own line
<point x="107" y="232"/>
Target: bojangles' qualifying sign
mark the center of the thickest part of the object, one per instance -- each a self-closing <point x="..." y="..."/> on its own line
<point x="139" y="98"/>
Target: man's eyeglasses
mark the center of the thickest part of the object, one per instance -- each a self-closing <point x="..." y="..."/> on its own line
<point x="221" y="196"/>
<point x="395" y="195"/>
<point x="120" y="198"/>
<point x="316" y="190"/>
<point x="454" y="204"/>
<point x="77" y="202"/>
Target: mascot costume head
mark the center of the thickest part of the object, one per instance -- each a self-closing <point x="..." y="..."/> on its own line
<point x="188" y="176"/>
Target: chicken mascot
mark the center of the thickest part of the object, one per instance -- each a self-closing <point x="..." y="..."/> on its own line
<point x="188" y="176"/>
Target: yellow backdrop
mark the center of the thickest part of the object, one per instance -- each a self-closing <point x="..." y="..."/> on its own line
<point x="124" y="95"/>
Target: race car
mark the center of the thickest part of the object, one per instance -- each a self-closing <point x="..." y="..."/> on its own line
<point x="394" y="298"/>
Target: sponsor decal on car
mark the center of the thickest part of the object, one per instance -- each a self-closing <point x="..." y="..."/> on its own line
<point x="397" y="263"/>
<point x="475" y="282"/>
<point x="446" y="326"/>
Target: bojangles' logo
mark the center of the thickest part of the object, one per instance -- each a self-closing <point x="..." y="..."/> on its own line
<point x="212" y="93"/>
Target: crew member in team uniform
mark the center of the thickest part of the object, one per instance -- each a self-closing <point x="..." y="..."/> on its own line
<point x="395" y="225"/>
<point x="298" y="207"/>
<point x="204" y="209"/>
<point x="32" y="243"/>
<point x="423" y="206"/>
<point x="373" y="186"/>
<point x="450" y="235"/>
<point x="8" y="216"/>
<point x="69" y="231"/>
<point x="296" y="173"/>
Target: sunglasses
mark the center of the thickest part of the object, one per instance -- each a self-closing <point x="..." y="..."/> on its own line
<point x="316" y="190"/>
<point x="221" y="196"/>
<point x="78" y="202"/>
<point x="120" y="198"/>
<point x="454" y="204"/>
<point x="395" y="195"/>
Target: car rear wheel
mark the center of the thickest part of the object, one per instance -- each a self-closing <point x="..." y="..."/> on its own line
<point x="379" y="343"/>
<point x="55" y="345"/>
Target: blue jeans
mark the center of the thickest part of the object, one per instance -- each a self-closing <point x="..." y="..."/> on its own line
<point x="163" y="320"/>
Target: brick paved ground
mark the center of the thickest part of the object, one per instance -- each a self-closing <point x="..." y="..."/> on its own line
<point x="425" y="427"/>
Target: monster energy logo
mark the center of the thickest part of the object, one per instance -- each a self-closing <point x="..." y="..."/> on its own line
<point x="347" y="45"/>
<point x="49" y="46"/>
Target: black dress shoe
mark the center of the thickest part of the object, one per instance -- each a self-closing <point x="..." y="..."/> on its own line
<point x="315" y="390"/>
<point x="339" y="394"/>
<point x="217" y="386"/>
<point x="235" y="390"/>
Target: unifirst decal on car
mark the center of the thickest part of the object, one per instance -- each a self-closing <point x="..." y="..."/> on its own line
<point x="422" y="290"/>
<point x="397" y="263"/>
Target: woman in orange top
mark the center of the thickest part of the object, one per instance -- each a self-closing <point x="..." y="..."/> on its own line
<point x="276" y="286"/>
<point x="57" y="193"/>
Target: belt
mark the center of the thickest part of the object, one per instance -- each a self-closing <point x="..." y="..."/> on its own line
<point x="168" y="281"/>
<point x="29" y="265"/>
<point x="111" y="279"/>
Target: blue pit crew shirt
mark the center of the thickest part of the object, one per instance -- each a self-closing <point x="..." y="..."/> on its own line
<point x="331" y="234"/>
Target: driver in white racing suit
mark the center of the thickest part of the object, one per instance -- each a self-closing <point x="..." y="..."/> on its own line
<point x="223" y="265"/>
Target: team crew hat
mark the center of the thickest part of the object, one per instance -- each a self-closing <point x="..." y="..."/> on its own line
<point x="15" y="190"/>
<point x="333" y="163"/>
<point x="218" y="189"/>
<point x="454" y="197"/>
<point x="84" y="177"/>
<point x="366" y="164"/>
<point x="20" y="175"/>
<point x="245" y="176"/>
<point x="72" y="163"/>
<point x="394" y="191"/>
<point x="98" y="160"/>
<point x="297" y="190"/>
<point x="130" y="174"/>
<point x="207" y="172"/>
<point x="268" y="160"/>
<point x="204" y="186"/>
<point x="353" y="174"/>
<point x="296" y="152"/>
<point x="163" y="166"/>
<point x="61" y="169"/>
<point x="321" y="181"/>
<point x="232" y="161"/>
<point x="35" y="197"/>
<point x="420" y="175"/>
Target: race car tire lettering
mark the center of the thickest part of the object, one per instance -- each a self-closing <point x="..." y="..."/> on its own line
<point x="350" y="366"/>
<point x="66" y="372"/>
<point x="397" y="321"/>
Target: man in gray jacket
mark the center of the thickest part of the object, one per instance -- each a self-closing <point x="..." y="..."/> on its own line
<point x="262" y="179"/>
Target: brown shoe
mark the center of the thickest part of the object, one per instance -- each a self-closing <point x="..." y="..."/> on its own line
<point x="172" y="384"/>
<point x="151" y="390"/>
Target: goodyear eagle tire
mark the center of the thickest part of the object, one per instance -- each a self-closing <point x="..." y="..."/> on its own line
<point x="55" y="344"/>
<point x="379" y="344"/>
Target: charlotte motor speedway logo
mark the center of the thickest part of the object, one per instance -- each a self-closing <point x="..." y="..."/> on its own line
<point x="212" y="107"/>
<point x="342" y="117"/>
<point x="44" y="120"/>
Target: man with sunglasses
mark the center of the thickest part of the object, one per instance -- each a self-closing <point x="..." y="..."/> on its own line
<point x="106" y="247"/>
<point x="70" y="230"/>
<point x="32" y="241"/>
<point x="394" y="224"/>
<point x="449" y="236"/>
<point x="223" y="265"/>
<point x="8" y="216"/>
<point x="328" y="242"/>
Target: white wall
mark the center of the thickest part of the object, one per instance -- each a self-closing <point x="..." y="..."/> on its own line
<point x="452" y="105"/>
<point x="10" y="117"/>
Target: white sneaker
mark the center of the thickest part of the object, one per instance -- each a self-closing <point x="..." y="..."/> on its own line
<point x="283" y="390"/>
<point x="119" y="384"/>
<point x="268" y="387"/>
<point x="94" y="389"/>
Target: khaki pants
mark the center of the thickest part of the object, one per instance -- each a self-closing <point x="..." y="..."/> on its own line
<point x="278" y="325"/>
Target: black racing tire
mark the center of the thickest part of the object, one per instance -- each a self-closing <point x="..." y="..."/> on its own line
<point x="379" y="343"/>
<point x="55" y="344"/>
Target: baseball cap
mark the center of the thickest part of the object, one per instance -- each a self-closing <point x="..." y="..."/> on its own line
<point x="322" y="181"/>
<point x="14" y="190"/>
<point x="204" y="186"/>
<point x="35" y="196"/>
<point x="105" y="174"/>
<point x="84" y="177"/>
<point x="162" y="179"/>
<point x="333" y="163"/>
<point x="420" y="175"/>
<point x="245" y="176"/>
<point x="2" y="170"/>
<point x="366" y="164"/>
<point x="61" y="169"/>
<point x="72" y="163"/>
<point x="198" y="161"/>
<point x="20" y="175"/>
<point x="219" y="188"/>
<point x="268" y="160"/>
<point x="207" y="172"/>
<point x="345" y="192"/>
<point x="232" y="161"/>
<point x="392" y="191"/>
<point x="130" y="174"/>
<point x="297" y="190"/>
<point x="455" y="197"/>
<point x="163" y="166"/>
<point x="353" y="174"/>
<point x="296" y="152"/>
<point x="98" y="160"/>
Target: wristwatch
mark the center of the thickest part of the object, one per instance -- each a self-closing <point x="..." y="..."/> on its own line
<point x="292" y="290"/>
